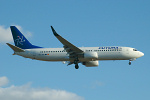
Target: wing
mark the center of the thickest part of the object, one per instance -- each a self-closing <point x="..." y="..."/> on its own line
<point x="71" y="49"/>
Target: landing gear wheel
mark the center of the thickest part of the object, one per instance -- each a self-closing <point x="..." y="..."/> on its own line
<point x="129" y="62"/>
<point x="76" y="63"/>
<point x="76" y="66"/>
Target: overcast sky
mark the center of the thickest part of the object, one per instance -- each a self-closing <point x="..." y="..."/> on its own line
<point x="84" y="23"/>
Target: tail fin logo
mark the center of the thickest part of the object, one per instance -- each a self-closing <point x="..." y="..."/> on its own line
<point x="19" y="40"/>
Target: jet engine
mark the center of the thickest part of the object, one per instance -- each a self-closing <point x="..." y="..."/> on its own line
<point x="91" y="55"/>
<point x="91" y="63"/>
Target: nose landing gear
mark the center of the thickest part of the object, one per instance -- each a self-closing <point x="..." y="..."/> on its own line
<point x="129" y="62"/>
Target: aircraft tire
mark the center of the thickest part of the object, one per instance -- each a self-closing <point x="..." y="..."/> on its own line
<point x="129" y="62"/>
<point x="76" y="66"/>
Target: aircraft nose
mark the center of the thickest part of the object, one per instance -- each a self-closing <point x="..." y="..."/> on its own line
<point x="141" y="54"/>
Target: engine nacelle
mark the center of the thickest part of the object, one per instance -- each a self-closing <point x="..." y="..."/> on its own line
<point x="91" y="55"/>
<point x="91" y="63"/>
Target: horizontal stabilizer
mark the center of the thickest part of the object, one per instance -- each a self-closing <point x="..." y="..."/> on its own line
<point x="16" y="49"/>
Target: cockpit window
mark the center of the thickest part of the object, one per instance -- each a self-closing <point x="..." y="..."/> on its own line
<point x="134" y="50"/>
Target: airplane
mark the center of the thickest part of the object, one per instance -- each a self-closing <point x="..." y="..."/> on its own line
<point x="70" y="54"/>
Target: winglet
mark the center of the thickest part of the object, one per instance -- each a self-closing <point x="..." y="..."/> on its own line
<point x="54" y="32"/>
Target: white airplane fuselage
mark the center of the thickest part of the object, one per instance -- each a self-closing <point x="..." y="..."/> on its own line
<point x="104" y="53"/>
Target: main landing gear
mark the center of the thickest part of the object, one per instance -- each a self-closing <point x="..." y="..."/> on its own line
<point x="76" y="63"/>
<point x="129" y="62"/>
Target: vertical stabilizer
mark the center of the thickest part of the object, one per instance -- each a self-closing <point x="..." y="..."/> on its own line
<point x="20" y="40"/>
